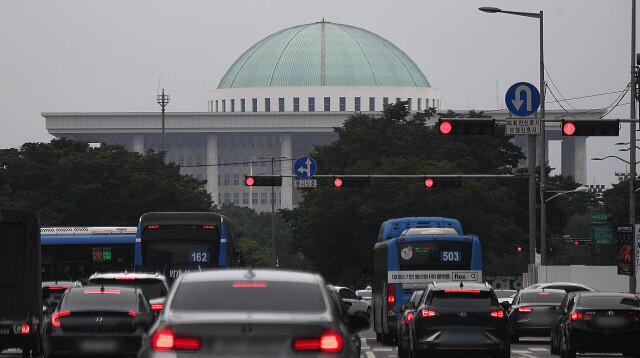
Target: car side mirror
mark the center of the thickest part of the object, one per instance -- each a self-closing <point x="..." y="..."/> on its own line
<point x="505" y="305"/>
<point x="410" y="306"/>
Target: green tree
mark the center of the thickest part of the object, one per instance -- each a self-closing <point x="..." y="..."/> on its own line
<point x="69" y="183"/>
<point x="336" y="229"/>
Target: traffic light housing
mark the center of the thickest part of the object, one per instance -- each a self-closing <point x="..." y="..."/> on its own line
<point x="454" y="182"/>
<point x="466" y="126"/>
<point x="594" y="128"/>
<point x="263" y="180"/>
<point x="354" y="182"/>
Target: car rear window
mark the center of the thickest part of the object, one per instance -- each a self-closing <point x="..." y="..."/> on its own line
<point x="458" y="298"/>
<point x="150" y="287"/>
<point x="248" y="296"/>
<point x="94" y="298"/>
<point x="568" y="288"/>
<point x="505" y="294"/>
<point x="542" y="297"/>
<point x="609" y="302"/>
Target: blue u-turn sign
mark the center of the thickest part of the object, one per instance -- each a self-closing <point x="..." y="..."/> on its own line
<point x="522" y="99"/>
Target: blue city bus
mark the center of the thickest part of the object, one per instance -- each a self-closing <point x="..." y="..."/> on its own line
<point x="75" y="253"/>
<point x="176" y="242"/>
<point x="413" y="258"/>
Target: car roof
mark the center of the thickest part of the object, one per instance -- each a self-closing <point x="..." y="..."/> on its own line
<point x="548" y="290"/>
<point x="133" y="275"/>
<point x="251" y="274"/>
<point x="60" y="283"/>
<point x="547" y="284"/>
<point x="605" y="294"/>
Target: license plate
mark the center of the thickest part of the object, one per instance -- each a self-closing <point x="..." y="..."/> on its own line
<point x="98" y="346"/>
<point x="4" y="330"/>
<point x="611" y="322"/>
<point x="463" y="336"/>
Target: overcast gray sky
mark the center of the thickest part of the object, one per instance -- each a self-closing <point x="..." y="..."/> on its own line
<point x="92" y="56"/>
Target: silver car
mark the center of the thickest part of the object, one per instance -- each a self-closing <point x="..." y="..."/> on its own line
<point x="251" y="313"/>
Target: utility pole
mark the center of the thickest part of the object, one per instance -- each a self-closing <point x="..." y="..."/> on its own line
<point x="632" y="138"/>
<point x="163" y="101"/>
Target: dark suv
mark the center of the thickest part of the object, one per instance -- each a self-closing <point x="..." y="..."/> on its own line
<point x="460" y="317"/>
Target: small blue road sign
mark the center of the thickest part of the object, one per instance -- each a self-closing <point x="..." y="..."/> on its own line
<point x="522" y="99"/>
<point x="305" y="167"/>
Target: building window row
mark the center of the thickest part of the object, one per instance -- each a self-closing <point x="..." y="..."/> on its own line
<point x="256" y="198"/>
<point x="221" y="105"/>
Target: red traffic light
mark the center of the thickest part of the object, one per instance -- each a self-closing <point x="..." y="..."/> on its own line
<point x="445" y="128"/>
<point x="568" y="128"/>
<point x="576" y="242"/>
<point x="519" y="248"/>
<point x="428" y="183"/>
<point x="249" y="181"/>
<point x="337" y="182"/>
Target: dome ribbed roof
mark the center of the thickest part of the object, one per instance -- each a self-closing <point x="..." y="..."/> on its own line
<point x="323" y="54"/>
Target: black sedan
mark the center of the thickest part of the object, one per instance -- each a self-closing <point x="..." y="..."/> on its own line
<point x="98" y="320"/>
<point x="251" y="313"/>
<point x="533" y="312"/>
<point x="601" y="322"/>
<point x="458" y="318"/>
<point x="408" y="312"/>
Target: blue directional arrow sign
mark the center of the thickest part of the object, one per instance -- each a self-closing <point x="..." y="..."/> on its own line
<point x="304" y="167"/>
<point x="522" y="99"/>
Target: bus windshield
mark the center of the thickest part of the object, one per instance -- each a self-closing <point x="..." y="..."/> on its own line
<point x="434" y="255"/>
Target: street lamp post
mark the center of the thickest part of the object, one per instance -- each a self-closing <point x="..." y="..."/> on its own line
<point x="543" y="150"/>
<point x="163" y="101"/>
<point x="580" y="189"/>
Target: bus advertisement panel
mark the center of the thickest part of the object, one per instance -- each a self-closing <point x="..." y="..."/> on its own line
<point x="408" y="263"/>
<point x="175" y="242"/>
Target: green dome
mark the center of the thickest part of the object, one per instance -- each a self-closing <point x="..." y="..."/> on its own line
<point x="323" y="54"/>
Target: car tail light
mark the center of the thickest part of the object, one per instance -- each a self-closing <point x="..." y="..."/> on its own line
<point x="25" y="329"/>
<point x="428" y="313"/>
<point x="635" y="316"/>
<point x="499" y="314"/>
<point x="391" y="296"/>
<point x="55" y="316"/>
<point x="208" y="227"/>
<point x="579" y="315"/>
<point x="164" y="340"/>
<point x="330" y="342"/>
<point x="156" y="306"/>
<point x="58" y="287"/>
<point x="524" y="309"/>
<point x="132" y="313"/>
<point x="409" y="316"/>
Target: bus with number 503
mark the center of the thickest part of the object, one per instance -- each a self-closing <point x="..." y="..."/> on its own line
<point x="175" y="242"/>
<point x="410" y="253"/>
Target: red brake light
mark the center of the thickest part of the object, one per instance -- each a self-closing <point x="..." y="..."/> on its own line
<point x="329" y="342"/>
<point x="427" y="313"/>
<point x="132" y="313"/>
<point x="58" y="287"/>
<point x="543" y="293"/>
<point x="208" y="227"/>
<point x="409" y="316"/>
<point x="113" y="292"/>
<point x="634" y="316"/>
<point x="55" y="316"/>
<point x="245" y="284"/>
<point x="391" y="296"/>
<point x="164" y="340"/>
<point x="156" y="306"/>
<point x="524" y="309"/>
<point x="153" y="226"/>
<point x="25" y="329"/>
<point x="462" y="290"/>
<point x="125" y="278"/>
<point x="576" y="316"/>
<point x="499" y="314"/>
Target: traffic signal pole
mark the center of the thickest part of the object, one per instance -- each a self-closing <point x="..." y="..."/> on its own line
<point x="632" y="139"/>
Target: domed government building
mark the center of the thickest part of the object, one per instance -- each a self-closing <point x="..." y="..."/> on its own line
<point x="278" y="100"/>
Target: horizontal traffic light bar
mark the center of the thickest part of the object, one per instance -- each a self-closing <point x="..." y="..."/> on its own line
<point x="263" y="180"/>
<point x="351" y="181"/>
<point x="467" y="126"/>
<point x="590" y="128"/>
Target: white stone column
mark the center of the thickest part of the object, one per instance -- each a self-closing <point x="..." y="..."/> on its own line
<point x="212" y="166"/>
<point x="138" y="143"/>
<point x="286" y="169"/>
<point x="574" y="158"/>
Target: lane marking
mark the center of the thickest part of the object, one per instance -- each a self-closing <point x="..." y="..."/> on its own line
<point x="538" y="349"/>
<point x="383" y="349"/>
<point x="370" y="354"/>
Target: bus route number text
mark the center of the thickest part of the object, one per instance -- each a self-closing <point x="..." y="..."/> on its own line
<point x="199" y="257"/>
<point x="450" y="256"/>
